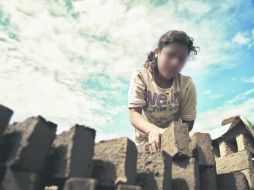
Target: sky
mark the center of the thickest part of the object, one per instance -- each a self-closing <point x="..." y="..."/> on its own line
<point x="71" y="61"/>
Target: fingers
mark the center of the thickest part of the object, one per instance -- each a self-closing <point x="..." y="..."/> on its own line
<point x="154" y="139"/>
<point x="155" y="144"/>
<point x="152" y="144"/>
<point x="154" y="147"/>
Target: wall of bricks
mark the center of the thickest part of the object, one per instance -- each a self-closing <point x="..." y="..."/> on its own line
<point x="34" y="157"/>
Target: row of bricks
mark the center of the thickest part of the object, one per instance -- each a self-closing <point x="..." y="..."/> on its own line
<point x="237" y="140"/>
<point x="183" y="162"/>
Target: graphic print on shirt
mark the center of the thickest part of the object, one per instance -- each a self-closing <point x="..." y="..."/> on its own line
<point x="162" y="108"/>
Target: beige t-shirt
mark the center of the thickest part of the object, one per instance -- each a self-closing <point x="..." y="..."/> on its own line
<point x="160" y="105"/>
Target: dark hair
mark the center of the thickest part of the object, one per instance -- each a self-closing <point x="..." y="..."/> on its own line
<point x="172" y="36"/>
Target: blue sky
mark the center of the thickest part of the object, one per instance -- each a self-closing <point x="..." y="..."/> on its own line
<point x="71" y="61"/>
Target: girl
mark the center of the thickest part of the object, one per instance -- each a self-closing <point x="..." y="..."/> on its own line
<point x="158" y="93"/>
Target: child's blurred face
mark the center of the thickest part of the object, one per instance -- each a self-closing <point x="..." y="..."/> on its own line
<point x="171" y="59"/>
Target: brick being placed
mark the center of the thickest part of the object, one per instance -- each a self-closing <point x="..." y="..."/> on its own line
<point x="79" y="183"/>
<point x="185" y="174"/>
<point x="71" y="155"/>
<point x="115" y="161"/>
<point x="18" y="180"/>
<point x="154" y="169"/>
<point x="25" y="145"/>
<point x="232" y="181"/>
<point x="176" y="141"/>
<point x="5" y="116"/>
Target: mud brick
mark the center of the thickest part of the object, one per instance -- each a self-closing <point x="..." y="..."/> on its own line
<point x="249" y="174"/>
<point x="115" y="161"/>
<point x="232" y="181"/>
<point x="185" y="174"/>
<point x="18" y="180"/>
<point x="201" y="144"/>
<point x="154" y="169"/>
<point x="234" y="162"/>
<point x="71" y="154"/>
<point x="207" y="177"/>
<point x="176" y="141"/>
<point x="128" y="187"/>
<point x="78" y="183"/>
<point x="245" y="142"/>
<point x="5" y="116"/>
<point x="226" y="147"/>
<point x="26" y="144"/>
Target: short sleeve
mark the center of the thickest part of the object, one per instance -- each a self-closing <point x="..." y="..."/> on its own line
<point x="188" y="103"/>
<point x="136" y="92"/>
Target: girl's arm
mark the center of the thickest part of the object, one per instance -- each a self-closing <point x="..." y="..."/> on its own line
<point x="142" y="124"/>
<point x="136" y="101"/>
<point x="139" y="122"/>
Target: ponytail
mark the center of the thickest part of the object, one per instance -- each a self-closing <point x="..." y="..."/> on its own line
<point x="151" y="63"/>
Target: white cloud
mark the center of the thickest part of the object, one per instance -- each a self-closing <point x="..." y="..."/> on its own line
<point x="48" y="51"/>
<point x="33" y="93"/>
<point x="196" y="7"/>
<point x="209" y="94"/>
<point x="241" y="38"/>
<point x="240" y="97"/>
<point x="248" y="80"/>
<point x="244" y="38"/>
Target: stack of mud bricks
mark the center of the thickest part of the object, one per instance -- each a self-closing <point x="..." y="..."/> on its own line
<point x="183" y="163"/>
<point x="234" y="162"/>
<point x="23" y="150"/>
<point x="26" y="147"/>
<point x="34" y="157"/>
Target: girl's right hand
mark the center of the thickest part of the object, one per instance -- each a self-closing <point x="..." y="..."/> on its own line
<point x="154" y="138"/>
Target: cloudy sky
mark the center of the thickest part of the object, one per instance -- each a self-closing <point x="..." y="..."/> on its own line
<point x="71" y="61"/>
